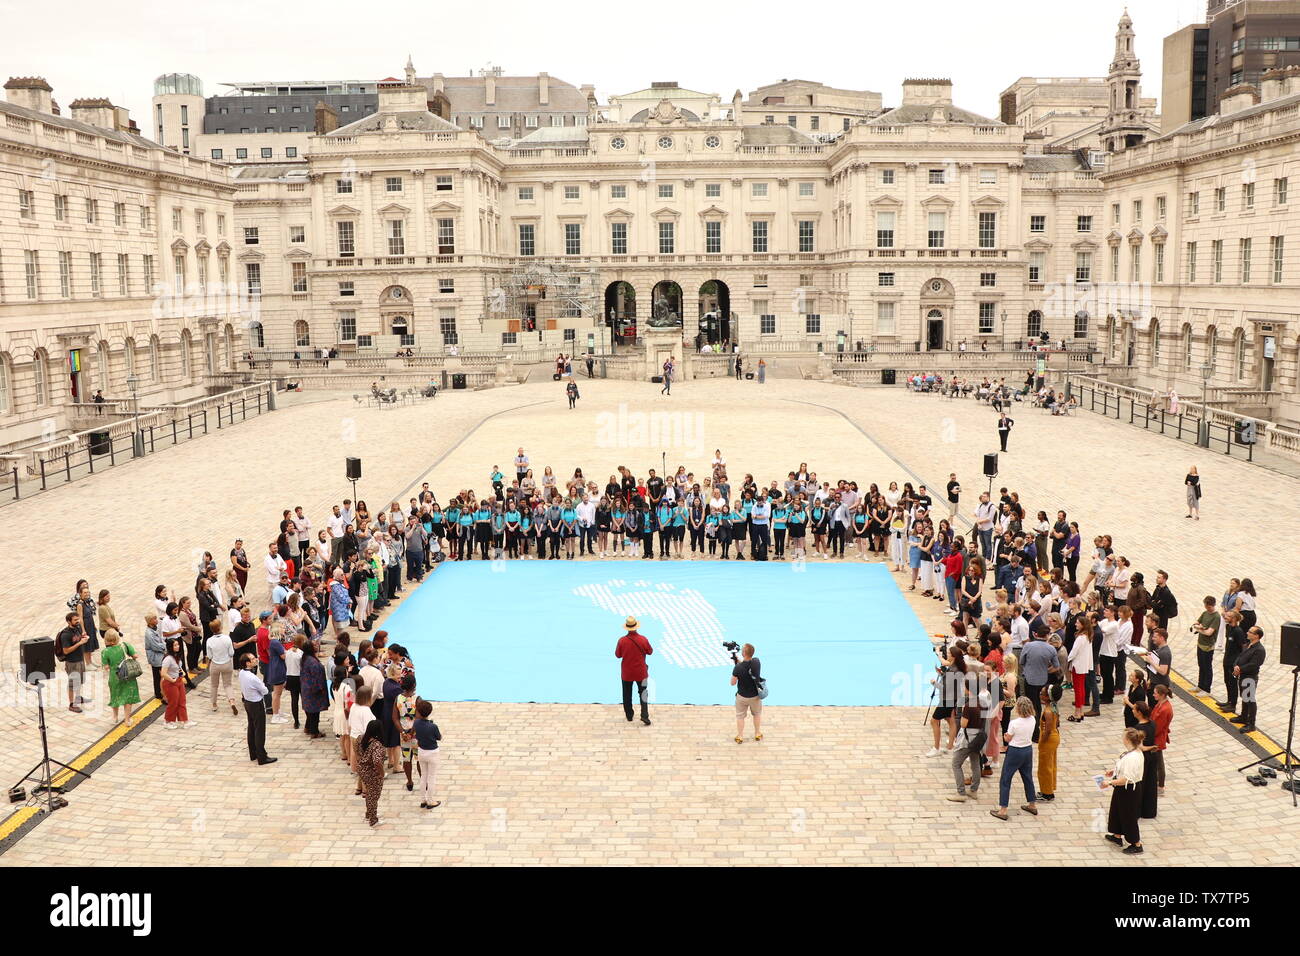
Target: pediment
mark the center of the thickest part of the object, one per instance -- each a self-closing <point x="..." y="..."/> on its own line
<point x="933" y="202"/>
<point x="1084" y="244"/>
<point x="344" y="210"/>
<point x="223" y="248"/>
<point x="713" y="212"/>
<point x="988" y="202"/>
<point x="1114" y="238"/>
<point x="887" y="202"/>
<point x="618" y="213"/>
<point x="297" y="254"/>
<point x="664" y="212"/>
<point x="394" y="208"/>
<point x="251" y="255"/>
<point x="1038" y="245"/>
<point x="202" y="248"/>
<point x="1159" y="234"/>
<point x="1135" y="236"/>
<point x="179" y="245"/>
<point x="444" y="206"/>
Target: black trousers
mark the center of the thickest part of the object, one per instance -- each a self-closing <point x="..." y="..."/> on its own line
<point x="1107" y="667"/>
<point x="697" y="539"/>
<point x="837" y="538"/>
<point x="256" y="729"/>
<point x="758" y="538"/>
<point x="665" y="541"/>
<point x="294" y="686"/>
<point x="1033" y="692"/>
<point x="779" y="539"/>
<point x="313" y="723"/>
<point x="1002" y="437"/>
<point x="1230" y="681"/>
<point x="554" y="538"/>
<point x="647" y="545"/>
<point x="627" y="699"/>
<point x="588" y="539"/>
<point x="1205" y="669"/>
<point x="157" y="681"/>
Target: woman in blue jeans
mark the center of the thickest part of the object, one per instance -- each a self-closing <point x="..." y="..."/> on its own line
<point x="1019" y="738"/>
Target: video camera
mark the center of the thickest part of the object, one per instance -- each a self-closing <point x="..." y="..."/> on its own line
<point x="733" y="649"/>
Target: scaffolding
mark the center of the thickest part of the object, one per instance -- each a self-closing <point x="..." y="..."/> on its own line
<point x="544" y="294"/>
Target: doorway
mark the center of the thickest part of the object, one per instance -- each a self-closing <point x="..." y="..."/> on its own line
<point x="934" y="330"/>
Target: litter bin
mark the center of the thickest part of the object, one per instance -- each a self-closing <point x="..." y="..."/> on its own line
<point x="458" y="380"/>
<point x="99" y="443"/>
<point x="888" y="376"/>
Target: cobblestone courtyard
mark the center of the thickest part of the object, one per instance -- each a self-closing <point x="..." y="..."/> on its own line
<point x="576" y="784"/>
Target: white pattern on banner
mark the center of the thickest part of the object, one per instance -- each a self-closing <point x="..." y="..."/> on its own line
<point x="692" y="632"/>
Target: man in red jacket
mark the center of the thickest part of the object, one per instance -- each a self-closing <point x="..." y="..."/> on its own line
<point x="633" y="649"/>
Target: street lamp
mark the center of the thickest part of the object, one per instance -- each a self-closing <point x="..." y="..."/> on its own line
<point x="1203" y="433"/>
<point x="851" y="338"/>
<point x="1004" y="330"/>
<point x="137" y="437"/>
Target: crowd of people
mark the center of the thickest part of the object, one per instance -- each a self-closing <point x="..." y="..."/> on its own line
<point x="1036" y="616"/>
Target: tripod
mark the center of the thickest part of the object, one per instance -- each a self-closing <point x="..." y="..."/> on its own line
<point x="45" y="782"/>
<point x="1289" y="761"/>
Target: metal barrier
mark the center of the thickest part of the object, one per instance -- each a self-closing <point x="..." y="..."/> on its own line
<point x="93" y="452"/>
<point x="1194" y="429"/>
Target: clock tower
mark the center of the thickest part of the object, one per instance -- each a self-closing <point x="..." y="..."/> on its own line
<point x="1124" y="125"/>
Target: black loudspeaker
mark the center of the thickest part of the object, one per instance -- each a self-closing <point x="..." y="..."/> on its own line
<point x="354" y="469"/>
<point x="888" y="376"/>
<point x="991" y="465"/>
<point x="458" y="380"/>
<point x="36" y="659"/>
<point x="1290" y="649"/>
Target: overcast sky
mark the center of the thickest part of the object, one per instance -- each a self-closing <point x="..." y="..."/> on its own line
<point x="116" y="50"/>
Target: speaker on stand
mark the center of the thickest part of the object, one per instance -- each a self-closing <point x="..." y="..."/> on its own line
<point x="354" y="475"/>
<point x="991" y="469"/>
<point x="36" y="656"/>
<point x="1289" y="652"/>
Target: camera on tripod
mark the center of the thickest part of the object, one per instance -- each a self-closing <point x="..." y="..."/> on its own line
<point x="733" y="649"/>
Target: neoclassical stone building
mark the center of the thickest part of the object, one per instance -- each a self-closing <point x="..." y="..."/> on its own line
<point x="921" y="228"/>
<point x="1207" y="217"/>
<point x="115" y="255"/>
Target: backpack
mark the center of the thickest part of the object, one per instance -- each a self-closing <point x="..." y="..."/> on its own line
<point x="1173" y="605"/>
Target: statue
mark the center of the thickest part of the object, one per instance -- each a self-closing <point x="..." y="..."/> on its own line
<point x="662" y="317"/>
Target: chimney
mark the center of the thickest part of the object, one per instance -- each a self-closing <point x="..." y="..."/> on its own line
<point x="927" y="92"/>
<point x="490" y="90"/>
<point x="543" y="89"/>
<point x="96" y="111"/>
<point x="1034" y="144"/>
<point x="438" y="84"/>
<point x="29" y="91"/>
<point x="1279" y="82"/>
<point x="327" y="118"/>
<point x="1237" y="98"/>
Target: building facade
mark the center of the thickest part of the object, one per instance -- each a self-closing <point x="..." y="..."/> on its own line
<point x="1239" y="41"/>
<point x="114" y="253"/>
<point x="925" y="227"/>
<point x="1067" y="112"/>
<point x="814" y="108"/>
<point x="1206" y="218"/>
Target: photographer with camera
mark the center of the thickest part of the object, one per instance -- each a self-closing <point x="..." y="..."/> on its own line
<point x="747" y="678"/>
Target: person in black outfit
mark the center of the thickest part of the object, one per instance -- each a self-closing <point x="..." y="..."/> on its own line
<point x="1234" y="642"/>
<point x="1163" y="602"/>
<point x="1246" y="671"/>
<point x="1004" y="429"/>
<point x="745" y="677"/>
<point x="572" y="391"/>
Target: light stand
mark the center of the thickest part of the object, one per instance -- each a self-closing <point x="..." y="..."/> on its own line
<point x="1289" y="762"/>
<point x="45" y="781"/>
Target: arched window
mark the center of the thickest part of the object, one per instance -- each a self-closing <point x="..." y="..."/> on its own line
<point x="230" y="346"/>
<point x="256" y="337"/>
<point x="155" y="359"/>
<point x="1155" y="343"/>
<point x="1187" y="347"/>
<point x="129" y="349"/>
<point x="1034" y="327"/>
<point x="105" y="367"/>
<point x="301" y="333"/>
<point x="40" y="378"/>
<point x="6" y="401"/>
<point x="1212" y="349"/>
<point x="1239" y="354"/>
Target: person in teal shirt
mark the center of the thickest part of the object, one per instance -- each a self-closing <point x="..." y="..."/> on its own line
<point x="512" y="530"/>
<point x="498" y="531"/>
<point x="466" y="521"/>
<point x="569" y="526"/>
<point x="482" y="528"/>
<point x="779" y="514"/>
<point x="679" y="527"/>
<point x="665" y="515"/>
<point x="452" y="516"/>
<point x="797" y="524"/>
<point x="616" y="531"/>
<point x="739" y="523"/>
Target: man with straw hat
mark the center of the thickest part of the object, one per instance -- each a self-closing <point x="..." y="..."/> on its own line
<point x="633" y="649"/>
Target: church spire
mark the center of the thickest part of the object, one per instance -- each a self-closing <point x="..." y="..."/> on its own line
<point x="410" y="70"/>
<point x="1124" y="125"/>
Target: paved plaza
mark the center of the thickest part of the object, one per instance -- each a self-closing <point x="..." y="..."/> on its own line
<point x="574" y="783"/>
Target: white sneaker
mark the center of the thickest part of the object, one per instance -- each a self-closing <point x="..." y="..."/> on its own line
<point x="932" y="752"/>
<point x="279" y="719"/>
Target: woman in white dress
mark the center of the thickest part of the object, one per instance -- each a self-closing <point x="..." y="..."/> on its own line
<point x="1125" y="783"/>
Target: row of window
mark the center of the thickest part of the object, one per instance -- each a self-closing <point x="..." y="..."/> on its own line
<point x="1275" y="267"/>
<point x="83" y="272"/>
<point x="936" y="233"/>
<point x="531" y="121"/>
<point x="667" y="237"/>
<point x="264" y="152"/>
<point x="29" y="208"/>
<point x="814" y="121"/>
<point x="394" y="235"/>
<point x="394" y="184"/>
<point x="1280" y="194"/>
